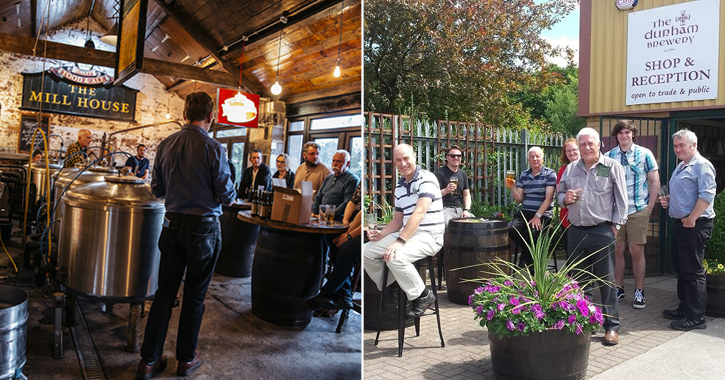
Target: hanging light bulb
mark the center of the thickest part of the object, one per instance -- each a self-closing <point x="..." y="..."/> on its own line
<point x="276" y="88"/>
<point x="168" y="116"/>
<point x="336" y="73"/>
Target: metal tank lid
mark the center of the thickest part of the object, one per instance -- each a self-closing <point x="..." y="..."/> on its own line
<point x="118" y="190"/>
<point x="41" y="165"/>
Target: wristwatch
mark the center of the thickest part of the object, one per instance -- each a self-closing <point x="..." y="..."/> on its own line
<point x="400" y="239"/>
<point x="349" y="236"/>
<point x="538" y="215"/>
<point x="617" y="227"/>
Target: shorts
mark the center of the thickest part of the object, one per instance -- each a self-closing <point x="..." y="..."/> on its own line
<point x="635" y="230"/>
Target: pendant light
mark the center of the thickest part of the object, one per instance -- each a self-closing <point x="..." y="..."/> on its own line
<point x="111" y="37"/>
<point x="276" y="88"/>
<point x="336" y="73"/>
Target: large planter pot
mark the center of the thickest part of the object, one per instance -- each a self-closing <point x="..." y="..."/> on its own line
<point x="551" y="354"/>
<point x="715" y="296"/>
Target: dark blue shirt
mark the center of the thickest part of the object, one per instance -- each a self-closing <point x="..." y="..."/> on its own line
<point x="140" y="169"/>
<point x="192" y="172"/>
<point x="336" y="191"/>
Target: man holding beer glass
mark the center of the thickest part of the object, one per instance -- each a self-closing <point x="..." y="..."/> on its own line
<point x="534" y="191"/>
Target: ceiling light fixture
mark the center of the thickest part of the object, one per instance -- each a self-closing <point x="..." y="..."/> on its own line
<point x="336" y="73"/>
<point x="276" y="88"/>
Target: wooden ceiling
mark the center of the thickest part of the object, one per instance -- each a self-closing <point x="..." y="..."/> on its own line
<point x="197" y="44"/>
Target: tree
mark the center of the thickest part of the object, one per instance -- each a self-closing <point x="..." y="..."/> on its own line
<point x="457" y="58"/>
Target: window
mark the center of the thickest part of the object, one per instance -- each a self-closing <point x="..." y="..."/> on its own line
<point x="235" y="132"/>
<point x="337" y="122"/>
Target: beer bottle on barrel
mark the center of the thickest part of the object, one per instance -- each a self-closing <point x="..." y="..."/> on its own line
<point x="253" y="200"/>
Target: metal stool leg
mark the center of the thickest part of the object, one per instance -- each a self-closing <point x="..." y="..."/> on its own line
<point x="435" y="293"/>
<point x="401" y="320"/>
<point x="382" y="299"/>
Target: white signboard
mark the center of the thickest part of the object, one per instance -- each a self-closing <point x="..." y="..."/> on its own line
<point x="672" y="53"/>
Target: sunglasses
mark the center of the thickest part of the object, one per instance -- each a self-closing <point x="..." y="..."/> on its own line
<point x="455" y="155"/>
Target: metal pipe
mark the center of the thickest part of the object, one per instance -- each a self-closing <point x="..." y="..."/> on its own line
<point x="103" y="139"/>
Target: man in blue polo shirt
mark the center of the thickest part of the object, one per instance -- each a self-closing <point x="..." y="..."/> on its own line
<point x="534" y="190"/>
<point x="415" y="232"/>
<point x="692" y="190"/>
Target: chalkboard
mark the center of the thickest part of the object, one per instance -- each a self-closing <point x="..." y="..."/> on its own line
<point x="28" y="125"/>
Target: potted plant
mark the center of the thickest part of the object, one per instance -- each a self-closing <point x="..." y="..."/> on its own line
<point x="715" y="262"/>
<point x="539" y="322"/>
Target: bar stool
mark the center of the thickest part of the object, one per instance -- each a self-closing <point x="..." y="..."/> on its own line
<point x="402" y="299"/>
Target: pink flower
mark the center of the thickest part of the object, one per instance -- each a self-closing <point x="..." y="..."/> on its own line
<point x="583" y="307"/>
<point x="500" y="306"/>
<point x="559" y="325"/>
<point x="514" y="301"/>
<point x="490" y="314"/>
<point x="572" y="319"/>
<point x="510" y="325"/>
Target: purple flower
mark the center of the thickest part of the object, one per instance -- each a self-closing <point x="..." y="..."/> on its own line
<point x="501" y="306"/>
<point x="479" y="309"/>
<point x="510" y="325"/>
<point x="583" y="307"/>
<point x="538" y="312"/>
<point x="578" y="329"/>
<point x="508" y="283"/>
<point x="559" y="325"/>
<point x="479" y="289"/>
<point x="470" y="300"/>
<point x="514" y="301"/>
<point x="521" y="326"/>
<point x="572" y="319"/>
<point x="490" y="314"/>
<point x="516" y="310"/>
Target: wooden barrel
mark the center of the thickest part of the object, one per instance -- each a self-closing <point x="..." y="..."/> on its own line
<point x="469" y="242"/>
<point x="386" y="319"/>
<point x="238" y="241"/>
<point x="551" y="354"/>
<point x="286" y="272"/>
<point x="715" y="296"/>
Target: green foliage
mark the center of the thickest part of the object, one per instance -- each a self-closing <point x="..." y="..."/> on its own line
<point x="518" y="301"/>
<point x="715" y="250"/>
<point x="562" y="106"/>
<point x="485" y="210"/>
<point x="458" y="60"/>
<point x="386" y="211"/>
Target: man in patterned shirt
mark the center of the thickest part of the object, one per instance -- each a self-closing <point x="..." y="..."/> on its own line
<point x="643" y="182"/>
<point x="84" y="141"/>
<point x="415" y="232"/>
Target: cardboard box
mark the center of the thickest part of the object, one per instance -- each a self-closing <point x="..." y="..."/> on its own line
<point x="291" y="205"/>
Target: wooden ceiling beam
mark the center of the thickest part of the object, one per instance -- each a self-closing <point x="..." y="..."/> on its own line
<point x="24" y="45"/>
<point x="206" y="42"/>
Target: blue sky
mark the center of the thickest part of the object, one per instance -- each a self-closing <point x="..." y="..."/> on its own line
<point x="564" y="33"/>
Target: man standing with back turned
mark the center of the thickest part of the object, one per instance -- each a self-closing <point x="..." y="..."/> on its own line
<point x="192" y="172"/>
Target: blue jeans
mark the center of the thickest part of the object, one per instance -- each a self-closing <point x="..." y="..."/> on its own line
<point x="192" y="244"/>
<point x="340" y="278"/>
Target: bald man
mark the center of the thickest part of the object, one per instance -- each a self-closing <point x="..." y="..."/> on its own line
<point x="84" y="141"/>
<point x="419" y="212"/>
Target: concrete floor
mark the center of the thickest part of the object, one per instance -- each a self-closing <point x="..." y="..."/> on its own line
<point x="234" y="343"/>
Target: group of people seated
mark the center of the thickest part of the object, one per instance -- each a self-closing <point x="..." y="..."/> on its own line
<point x="605" y="204"/>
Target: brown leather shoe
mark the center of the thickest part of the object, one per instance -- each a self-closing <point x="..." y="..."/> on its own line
<point x="186" y="368"/>
<point x="611" y="338"/>
<point x="146" y="371"/>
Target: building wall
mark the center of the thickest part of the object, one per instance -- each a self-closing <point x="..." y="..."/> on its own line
<point x="603" y="62"/>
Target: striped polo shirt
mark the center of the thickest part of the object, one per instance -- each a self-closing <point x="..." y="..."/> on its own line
<point x="534" y="188"/>
<point x="637" y="162"/>
<point x="423" y="184"/>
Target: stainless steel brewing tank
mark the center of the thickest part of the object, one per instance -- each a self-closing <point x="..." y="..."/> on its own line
<point x="37" y="174"/>
<point x="66" y="176"/>
<point x="109" y="241"/>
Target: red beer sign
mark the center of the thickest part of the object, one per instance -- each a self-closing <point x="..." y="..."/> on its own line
<point x="237" y="108"/>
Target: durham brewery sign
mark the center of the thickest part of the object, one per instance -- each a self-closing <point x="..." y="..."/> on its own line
<point x="671" y="54"/>
<point x="74" y="91"/>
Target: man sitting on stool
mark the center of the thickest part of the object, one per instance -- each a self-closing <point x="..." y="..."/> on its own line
<point x="419" y="211"/>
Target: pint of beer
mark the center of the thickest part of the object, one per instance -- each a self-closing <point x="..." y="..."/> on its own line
<point x="510" y="178"/>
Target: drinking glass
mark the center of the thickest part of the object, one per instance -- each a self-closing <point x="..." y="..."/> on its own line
<point x="454" y="180"/>
<point x="577" y="184"/>
<point x="371" y="221"/>
<point x="330" y="214"/>
<point x="664" y="191"/>
<point x="510" y="178"/>
<point x="323" y="214"/>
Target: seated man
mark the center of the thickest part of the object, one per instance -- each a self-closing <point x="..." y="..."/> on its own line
<point x="311" y="170"/>
<point x="37" y="156"/>
<point x="256" y="175"/>
<point x="345" y="248"/>
<point x="338" y="187"/>
<point x="72" y="155"/>
<point x="139" y="165"/>
<point x="419" y="212"/>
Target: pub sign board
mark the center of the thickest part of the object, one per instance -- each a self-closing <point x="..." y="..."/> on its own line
<point x="73" y="91"/>
<point x="237" y="109"/>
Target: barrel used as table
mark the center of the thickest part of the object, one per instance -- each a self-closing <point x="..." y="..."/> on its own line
<point x="287" y="269"/>
<point x="470" y="243"/>
<point x="238" y="241"/>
